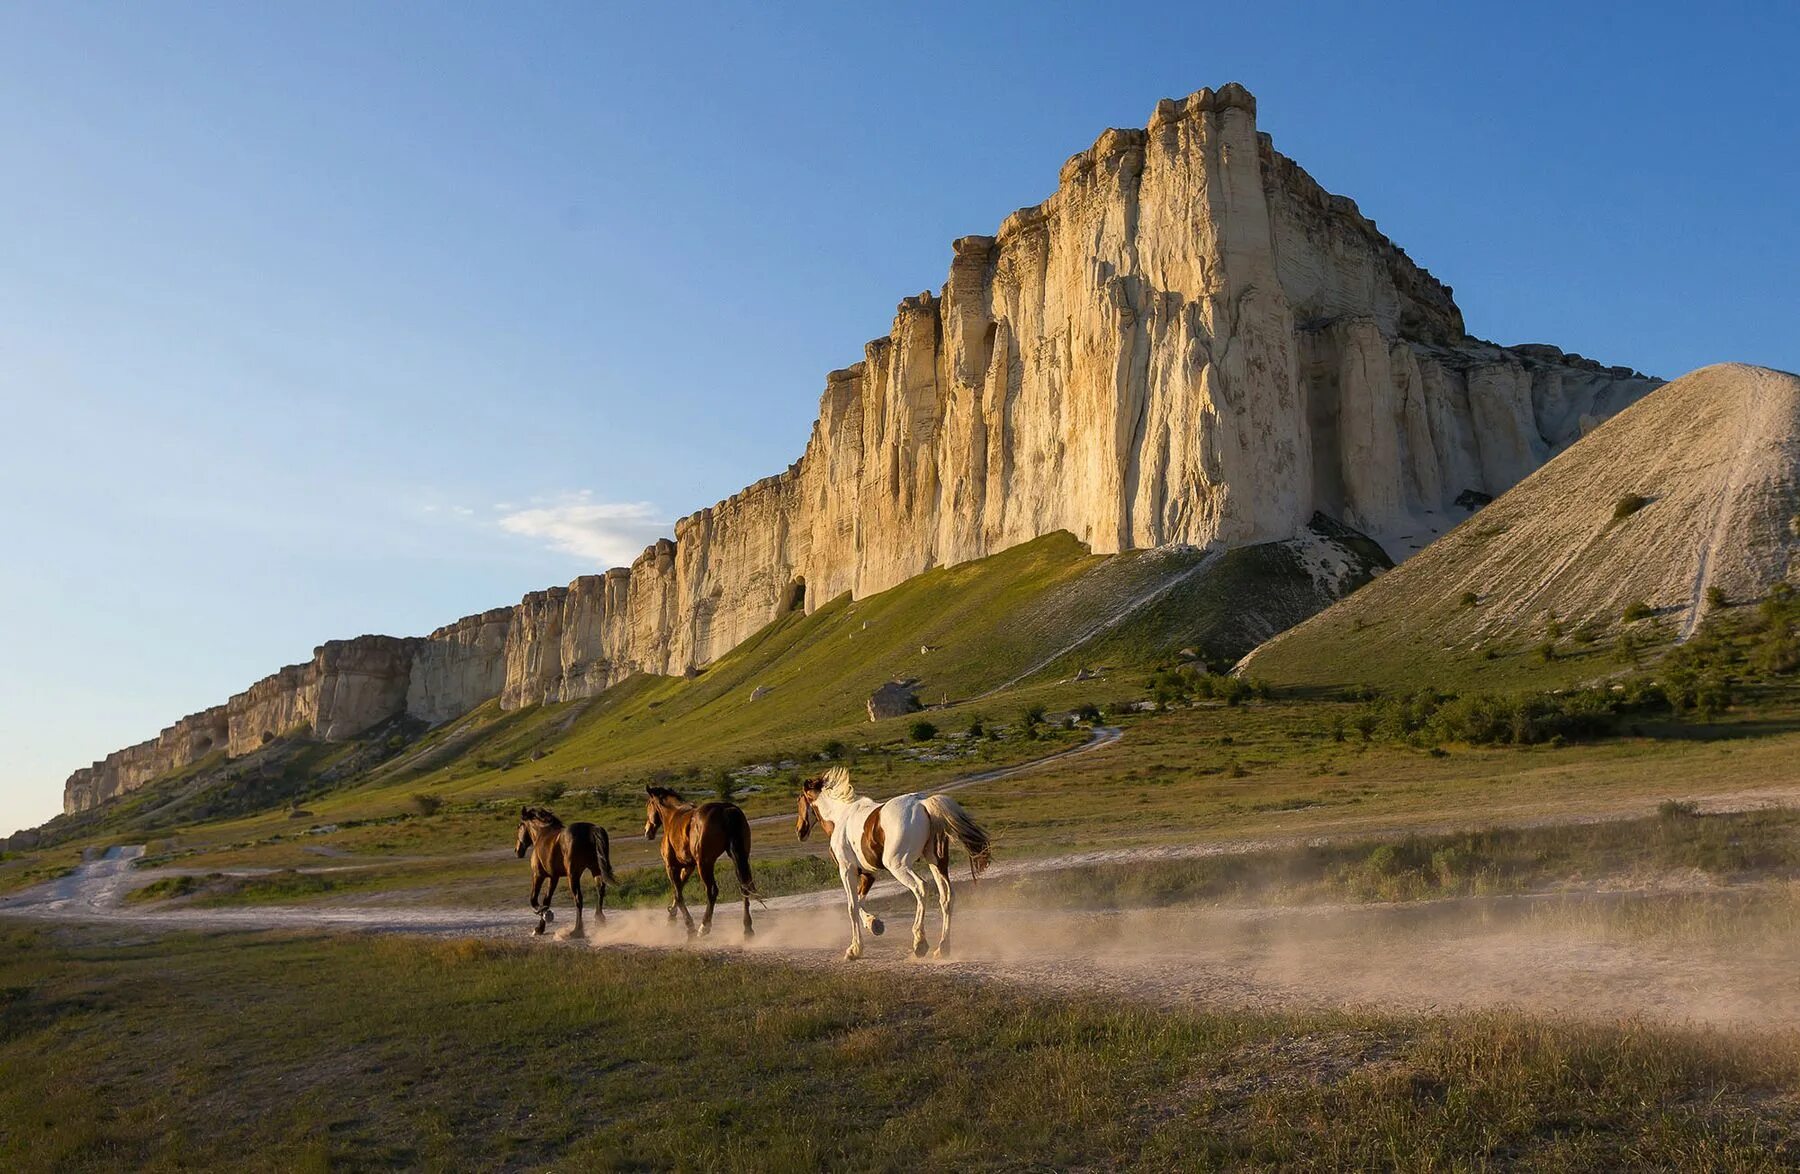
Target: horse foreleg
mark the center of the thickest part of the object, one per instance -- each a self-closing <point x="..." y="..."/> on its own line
<point x="712" y="893"/>
<point x="864" y="882"/>
<point x="678" y="877"/>
<point x="901" y="867"/>
<point x="549" y="896"/>
<point x="848" y="875"/>
<point x="946" y="899"/>
<point x="537" y="882"/>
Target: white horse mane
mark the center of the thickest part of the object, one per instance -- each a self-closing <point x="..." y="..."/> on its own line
<point x="837" y="784"/>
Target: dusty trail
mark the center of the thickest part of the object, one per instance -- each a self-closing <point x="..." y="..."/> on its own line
<point x="1554" y="954"/>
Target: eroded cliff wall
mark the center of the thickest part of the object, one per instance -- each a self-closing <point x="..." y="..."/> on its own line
<point x="1189" y="342"/>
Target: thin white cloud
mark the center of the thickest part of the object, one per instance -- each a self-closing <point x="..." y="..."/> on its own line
<point x="603" y="532"/>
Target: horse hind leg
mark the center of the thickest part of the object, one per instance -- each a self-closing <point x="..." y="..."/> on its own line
<point x="946" y="899"/>
<point x="575" y="883"/>
<point x="712" y="894"/>
<point x="902" y="870"/>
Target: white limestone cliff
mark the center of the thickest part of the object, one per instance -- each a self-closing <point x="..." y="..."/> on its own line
<point x="1189" y="342"/>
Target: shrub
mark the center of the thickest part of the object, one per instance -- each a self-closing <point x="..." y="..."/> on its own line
<point x="1630" y="504"/>
<point x="1629" y="649"/>
<point x="549" y="791"/>
<point x="1031" y="716"/>
<point x="425" y="803"/>
<point x="1553" y="628"/>
<point x="724" y="785"/>
<point x="1677" y="809"/>
<point x="976" y="727"/>
<point x="1637" y="611"/>
<point x="1715" y="597"/>
<point x="922" y="731"/>
<point x="1470" y="599"/>
<point x="832" y="750"/>
<point x="1545" y="652"/>
<point x="1087" y="711"/>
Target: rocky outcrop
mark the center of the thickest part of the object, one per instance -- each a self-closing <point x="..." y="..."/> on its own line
<point x="180" y="745"/>
<point x="894" y="699"/>
<point x="347" y="687"/>
<point x="459" y="666"/>
<point x="1190" y="342"/>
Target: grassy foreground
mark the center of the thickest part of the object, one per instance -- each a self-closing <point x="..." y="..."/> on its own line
<point x="278" y="1052"/>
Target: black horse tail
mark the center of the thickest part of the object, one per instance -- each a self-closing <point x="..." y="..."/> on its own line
<point x="603" y="852"/>
<point x="737" y="844"/>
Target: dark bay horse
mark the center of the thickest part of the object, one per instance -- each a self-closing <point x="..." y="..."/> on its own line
<point x="692" y="839"/>
<point x="558" y="851"/>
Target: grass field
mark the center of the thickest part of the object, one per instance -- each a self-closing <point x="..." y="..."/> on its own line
<point x="276" y="1052"/>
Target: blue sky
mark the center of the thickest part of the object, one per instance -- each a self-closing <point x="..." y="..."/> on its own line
<point x="321" y="319"/>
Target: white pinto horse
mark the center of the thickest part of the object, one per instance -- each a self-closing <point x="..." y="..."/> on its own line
<point x="867" y="835"/>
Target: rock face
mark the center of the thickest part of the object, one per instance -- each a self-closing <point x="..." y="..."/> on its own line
<point x="1694" y="488"/>
<point x="894" y="699"/>
<point x="347" y="687"/>
<point x="459" y="666"/>
<point x="1189" y="342"/>
<point x="182" y="744"/>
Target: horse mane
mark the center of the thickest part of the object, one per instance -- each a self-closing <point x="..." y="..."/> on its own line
<point x="837" y="784"/>
<point x="541" y="815"/>
<point x="665" y="795"/>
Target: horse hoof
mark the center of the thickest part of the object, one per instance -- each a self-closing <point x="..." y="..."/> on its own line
<point x="941" y="952"/>
<point x="539" y="931"/>
<point x="705" y="930"/>
<point x="853" y="953"/>
<point x="919" y="948"/>
<point x="877" y="927"/>
<point x="549" y="916"/>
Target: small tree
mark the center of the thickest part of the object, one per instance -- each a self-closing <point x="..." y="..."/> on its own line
<point x="724" y="785"/>
<point x="976" y="728"/>
<point x="922" y="731"/>
<point x="1637" y="611"/>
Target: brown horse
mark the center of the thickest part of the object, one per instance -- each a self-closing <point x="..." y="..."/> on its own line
<point x="558" y="851"/>
<point x="692" y="838"/>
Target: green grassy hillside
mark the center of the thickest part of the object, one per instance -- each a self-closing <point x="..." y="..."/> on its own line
<point x="982" y="643"/>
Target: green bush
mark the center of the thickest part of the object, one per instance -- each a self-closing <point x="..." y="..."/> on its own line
<point x="549" y="791"/>
<point x="1637" y="611"/>
<point x="425" y="803"/>
<point x="922" y="731"/>
<point x="1470" y="599"/>
<point x="1630" y="504"/>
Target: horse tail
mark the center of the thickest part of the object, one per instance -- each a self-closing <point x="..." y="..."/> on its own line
<point x="603" y="853"/>
<point x="737" y="844"/>
<point x="948" y="818"/>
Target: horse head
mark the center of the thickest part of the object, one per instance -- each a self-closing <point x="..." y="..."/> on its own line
<point x="522" y="843"/>
<point x="653" y="809"/>
<point x="809" y="791"/>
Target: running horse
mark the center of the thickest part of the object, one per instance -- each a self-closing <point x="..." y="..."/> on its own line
<point x="558" y="851"/>
<point x="866" y="834"/>
<point x="693" y="838"/>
